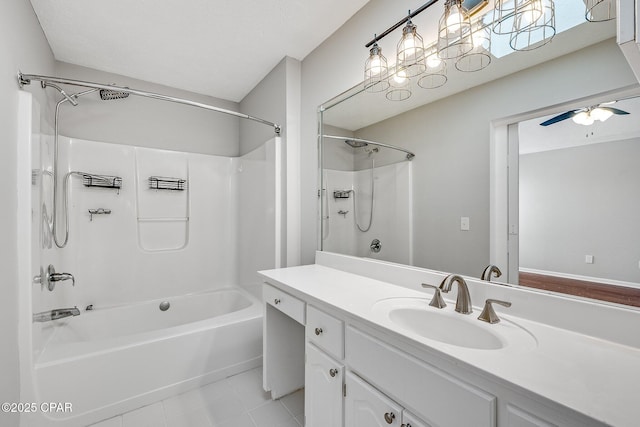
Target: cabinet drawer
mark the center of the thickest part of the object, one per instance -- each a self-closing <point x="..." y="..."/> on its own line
<point x="325" y="331"/>
<point x="291" y="306"/>
<point x="435" y="396"/>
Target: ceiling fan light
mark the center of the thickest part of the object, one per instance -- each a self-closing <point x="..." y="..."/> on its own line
<point x="601" y="114"/>
<point x="583" y="118"/>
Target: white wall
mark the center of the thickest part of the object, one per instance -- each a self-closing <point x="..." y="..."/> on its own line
<point x="582" y="201"/>
<point x="147" y="122"/>
<point x="451" y="168"/>
<point x="22" y="47"/>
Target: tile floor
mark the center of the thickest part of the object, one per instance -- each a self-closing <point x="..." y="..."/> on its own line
<point x="237" y="401"/>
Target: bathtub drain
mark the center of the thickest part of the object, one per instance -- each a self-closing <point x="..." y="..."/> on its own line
<point x="164" y="305"/>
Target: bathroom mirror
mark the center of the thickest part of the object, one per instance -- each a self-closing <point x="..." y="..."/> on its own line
<point x="433" y="210"/>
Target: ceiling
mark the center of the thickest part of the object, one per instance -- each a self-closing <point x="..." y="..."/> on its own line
<point x="534" y="138"/>
<point x="220" y="48"/>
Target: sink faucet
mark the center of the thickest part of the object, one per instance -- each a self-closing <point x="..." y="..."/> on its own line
<point x="55" y="314"/>
<point x="463" y="301"/>
<point x="486" y="274"/>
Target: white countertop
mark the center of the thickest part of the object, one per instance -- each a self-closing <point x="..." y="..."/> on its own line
<point x="592" y="376"/>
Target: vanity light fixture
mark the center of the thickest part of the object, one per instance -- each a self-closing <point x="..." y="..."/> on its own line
<point x="376" y="70"/>
<point x="600" y="10"/>
<point x="410" y="55"/>
<point x="436" y="74"/>
<point x="534" y="25"/>
<point x="399" y="86"/>
<point x="480" y="57"/>
<point x="455" y="36"/>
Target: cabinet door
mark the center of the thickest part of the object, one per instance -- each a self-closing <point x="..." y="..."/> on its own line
<point x="367" y="407"/>
<point x="410" y="420"/>
<point x="323" y="402"/>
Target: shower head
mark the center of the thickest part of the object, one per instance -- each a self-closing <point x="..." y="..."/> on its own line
<point x="355" y="144"/>
<point x="107" y="95"/>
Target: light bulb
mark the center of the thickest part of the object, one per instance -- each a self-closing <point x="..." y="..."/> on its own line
<point x="531" y="13"/>
<point x="375" y="65"/>
<point x="601" y="114"/>
<point x="400" y="77"/>
<point x="583" y="118"/>
<point x="479" y="38"/>
<point x="408" y="48"/>
<point x="433" y="61"/>
<point x="454" y="19"/>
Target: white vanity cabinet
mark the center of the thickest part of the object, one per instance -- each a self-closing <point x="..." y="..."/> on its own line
<point x="367" y="407"/>
<point x="282" y="342"/>
<point x="324" y="379"/>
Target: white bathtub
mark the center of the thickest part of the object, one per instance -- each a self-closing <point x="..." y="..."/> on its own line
<point x="108" y="361"/>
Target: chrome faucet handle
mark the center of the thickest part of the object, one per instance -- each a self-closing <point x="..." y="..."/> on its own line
<point x="437" y="300"/>
<point x="52" y="277"/>
<point x="488" y="313"/>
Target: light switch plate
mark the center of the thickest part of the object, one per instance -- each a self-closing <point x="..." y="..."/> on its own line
<point x="588" y="259"/>
<point x="464" y="223"/>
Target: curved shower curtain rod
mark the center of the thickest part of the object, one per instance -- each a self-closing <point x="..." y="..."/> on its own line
<point x="25" y="79"/>
<point x="410" y="155"/>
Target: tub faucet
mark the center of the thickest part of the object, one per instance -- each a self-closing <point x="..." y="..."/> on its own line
<point x="55" y="314"/>
<point x="486" y="274"/>
<point x="463" y="301"/>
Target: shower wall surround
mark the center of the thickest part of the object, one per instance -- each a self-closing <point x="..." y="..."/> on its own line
<point x="158" y="243"/>
<point x="391" y="221"/>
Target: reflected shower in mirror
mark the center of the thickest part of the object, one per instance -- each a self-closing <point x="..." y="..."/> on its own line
<point x="366" y="198"/>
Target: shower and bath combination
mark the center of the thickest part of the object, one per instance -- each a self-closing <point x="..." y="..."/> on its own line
<point x="371" y="148"/>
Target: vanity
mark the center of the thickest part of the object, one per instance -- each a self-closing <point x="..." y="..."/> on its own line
<point x="360" y="336"/>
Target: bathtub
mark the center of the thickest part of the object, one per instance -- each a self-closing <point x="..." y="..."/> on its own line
<point x="111" y="360"/>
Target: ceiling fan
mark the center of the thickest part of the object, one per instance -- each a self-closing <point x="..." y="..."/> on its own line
<point x="587" y="115"/>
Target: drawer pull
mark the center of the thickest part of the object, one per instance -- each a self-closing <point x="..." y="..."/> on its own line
<point x="389" y="417"/>
<point x="276" y="301"/>
<point x="318" y="331"/>
<point x="333" y="372"/>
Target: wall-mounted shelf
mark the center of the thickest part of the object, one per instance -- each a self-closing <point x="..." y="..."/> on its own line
<point x="166" y="183"/>
<point x="101" y="181"/>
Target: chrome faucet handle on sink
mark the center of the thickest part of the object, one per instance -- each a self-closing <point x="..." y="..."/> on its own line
<point x="488" y="313"/>
<point x="437" y="300"/>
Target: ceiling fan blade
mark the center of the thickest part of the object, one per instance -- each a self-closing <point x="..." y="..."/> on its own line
<point x="559" y="118"/>
<point x="615" y="110"/>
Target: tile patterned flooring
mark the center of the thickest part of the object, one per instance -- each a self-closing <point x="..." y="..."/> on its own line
<point x="237" y="401"/>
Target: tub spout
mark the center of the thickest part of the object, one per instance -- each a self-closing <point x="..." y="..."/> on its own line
<point x="55" y="314"/>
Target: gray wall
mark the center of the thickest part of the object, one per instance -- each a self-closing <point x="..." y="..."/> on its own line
<point x="452" y="161"/>
<point x="582" y="201"/>
<point x="148" y="122"/>
<point x="22" y="47"/>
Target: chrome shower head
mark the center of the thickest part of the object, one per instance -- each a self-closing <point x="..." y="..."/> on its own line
<point x="355" y="144"/>
<point x="107" y="95"/>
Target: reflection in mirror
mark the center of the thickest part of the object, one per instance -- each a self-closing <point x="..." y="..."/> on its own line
<point x="579" y="183"/>
<point x="366" y="198"/>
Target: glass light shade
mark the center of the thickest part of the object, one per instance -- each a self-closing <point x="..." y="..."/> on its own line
<point x="600" y="114"/>
<point x="583" y="118"/>
<point x="436" y="74"/>
<point x="511" y="16"/>
<point x="480" y="57"/>
<point x="410" y="55"/>
<point x="531" y="30"/>
<point x="376" y="71"/>
<point x="600" y="10"/>
<point x="455" y="37"/>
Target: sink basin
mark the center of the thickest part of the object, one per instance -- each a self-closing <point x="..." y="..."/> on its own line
<point x="415" y="316"/>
